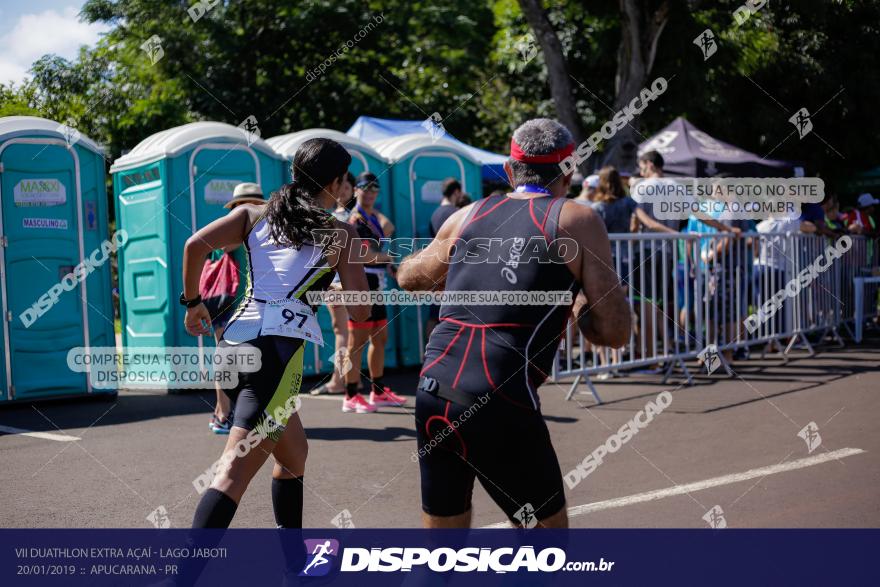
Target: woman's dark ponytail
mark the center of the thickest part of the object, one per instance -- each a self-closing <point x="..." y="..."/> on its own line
<point x="292" y="212"/>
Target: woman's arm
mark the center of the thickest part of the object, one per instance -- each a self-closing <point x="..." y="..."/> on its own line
<point x="222" y="233"/>
<point x="351" y="270"/>
<point x="387" y="226"/>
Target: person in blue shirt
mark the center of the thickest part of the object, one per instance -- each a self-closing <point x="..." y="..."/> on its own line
<point x="722" y="261"/>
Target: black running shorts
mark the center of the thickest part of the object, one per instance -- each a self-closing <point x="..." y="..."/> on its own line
<point x="378" y="312"/>
<point x="506" y="447"/>
<point x="266" y="399"/>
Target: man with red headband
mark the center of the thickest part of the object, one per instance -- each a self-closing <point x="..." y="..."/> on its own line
<point x="477" y="410"/>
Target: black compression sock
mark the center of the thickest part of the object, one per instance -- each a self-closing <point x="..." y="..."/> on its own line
<point x="378" y="388"/>
<point x="287" y="501"/>
<point x="215" y="510"/>
<point x="351" y="390"/>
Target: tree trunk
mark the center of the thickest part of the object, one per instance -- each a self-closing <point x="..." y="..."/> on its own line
<point x="557" y="67"/>
<point x="641" y="28"/>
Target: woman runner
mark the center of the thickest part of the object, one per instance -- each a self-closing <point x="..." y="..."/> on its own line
<point x="372" y="226"/>
<point x="338" y="313"/>
<point x="284" y="264"/>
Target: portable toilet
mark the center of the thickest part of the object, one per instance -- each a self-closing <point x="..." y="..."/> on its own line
<point x="170" y="185"/>
<point x="363" y="158"/>
<point x="419" y="165"/>
<point x="53" y="219"/>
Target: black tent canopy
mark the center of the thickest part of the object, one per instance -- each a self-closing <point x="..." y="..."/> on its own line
<point x="690" y="152"/>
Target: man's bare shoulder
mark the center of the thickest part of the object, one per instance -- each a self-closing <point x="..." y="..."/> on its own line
<point x="578" y="219"/>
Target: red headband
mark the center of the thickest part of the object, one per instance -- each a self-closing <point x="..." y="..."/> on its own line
<point x="517" y="154"/>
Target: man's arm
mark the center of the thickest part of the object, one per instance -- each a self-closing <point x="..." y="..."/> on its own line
<point x="602" y="312"/>
<point x="426" y="270"/>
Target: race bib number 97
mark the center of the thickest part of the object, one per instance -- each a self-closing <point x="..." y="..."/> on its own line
<point x="293" y="319"/>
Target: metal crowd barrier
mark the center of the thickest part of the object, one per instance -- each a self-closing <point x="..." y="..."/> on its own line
<point x="699" y="295"/>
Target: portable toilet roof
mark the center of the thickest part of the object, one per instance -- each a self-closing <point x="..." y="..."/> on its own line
<point x="364" y="158"/>
<point x="167" y="187"/>
<point x="397" y="148"/>
<point x="174" y="141"/>
<point x="16" y="126"/>
<point x="286" y="145"/>
<point x="373" y="130"/>
<point x="420" y="165"/>
<point x="53" y="217"/>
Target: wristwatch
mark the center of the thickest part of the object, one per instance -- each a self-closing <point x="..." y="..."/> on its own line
<point x="190" y="303"/>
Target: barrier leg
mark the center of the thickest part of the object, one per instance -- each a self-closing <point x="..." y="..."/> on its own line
<point x="593" y="391"/>
<point x="668" y="372"/>
<point x="687" y="373"/>
<point x="799" y="336"/>
<point x="725" y="364"/>
<point x="849" y="331"/>
<point x="835" y="336"/>
<point x="573" y="387"/>
<point x="860" y="310"/>
<point x="684" y="370"/>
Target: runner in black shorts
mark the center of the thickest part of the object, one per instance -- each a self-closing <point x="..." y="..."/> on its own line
<point x="477" y="410"/>
<point x="287" y="259"/>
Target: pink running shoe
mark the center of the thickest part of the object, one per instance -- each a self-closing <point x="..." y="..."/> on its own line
<point x="357" y="404"/>
<point x="386" y="398"/>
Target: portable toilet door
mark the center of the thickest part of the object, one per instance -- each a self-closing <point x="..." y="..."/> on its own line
<point x="55" y="281"/>
<point x="363" y="158"/>
<point x="169" y="186"/>
<point x="419" y="166"/>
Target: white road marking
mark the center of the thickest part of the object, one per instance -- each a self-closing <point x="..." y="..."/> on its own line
<point x="619" y="502"/>
<point x="43" y="435"/>
<point x="332" y="397"/>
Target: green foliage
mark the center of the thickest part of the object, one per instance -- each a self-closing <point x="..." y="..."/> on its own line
<point x="461" y="59"/>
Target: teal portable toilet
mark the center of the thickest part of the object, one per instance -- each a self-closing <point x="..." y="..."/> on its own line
<point x="419" y="165"/>
<point x="170" y="185"/>
<point x="53" y="219"/>
<point x="363" y="158"/>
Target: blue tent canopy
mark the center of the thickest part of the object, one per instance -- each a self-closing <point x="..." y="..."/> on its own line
<point x="370" y="130"/>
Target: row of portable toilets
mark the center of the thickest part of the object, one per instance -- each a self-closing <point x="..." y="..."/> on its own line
<point x="53" y="217"/>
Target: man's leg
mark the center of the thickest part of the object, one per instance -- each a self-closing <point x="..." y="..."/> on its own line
<point x="459" y="521"/>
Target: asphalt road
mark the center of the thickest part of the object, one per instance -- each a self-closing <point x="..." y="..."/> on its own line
<point x="728" y="443"/>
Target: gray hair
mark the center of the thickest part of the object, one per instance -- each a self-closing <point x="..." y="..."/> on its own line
<point x="539" y="136"/>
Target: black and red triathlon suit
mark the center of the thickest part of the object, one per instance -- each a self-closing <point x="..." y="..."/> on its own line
<point x="477" y="408"/>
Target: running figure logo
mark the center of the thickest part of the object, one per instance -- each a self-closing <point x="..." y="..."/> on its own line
<point x="71" y="134"/>
<point x="706" y="42"/>
<point x="526" y="47"/>
<point x="801" y="121"/>
<point x="715" y="518"/>
<point x="434" y="125"/>
<point x="251" y="129"/>
<point x="810" y="434"/>
<point x="710" y="358"/>
<point x="159" y="518"/>
<point x="526" y="516"/>
<point x="343" y="520"/>
<point x="320" y="557"/>
<point x="153" y="48"/>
